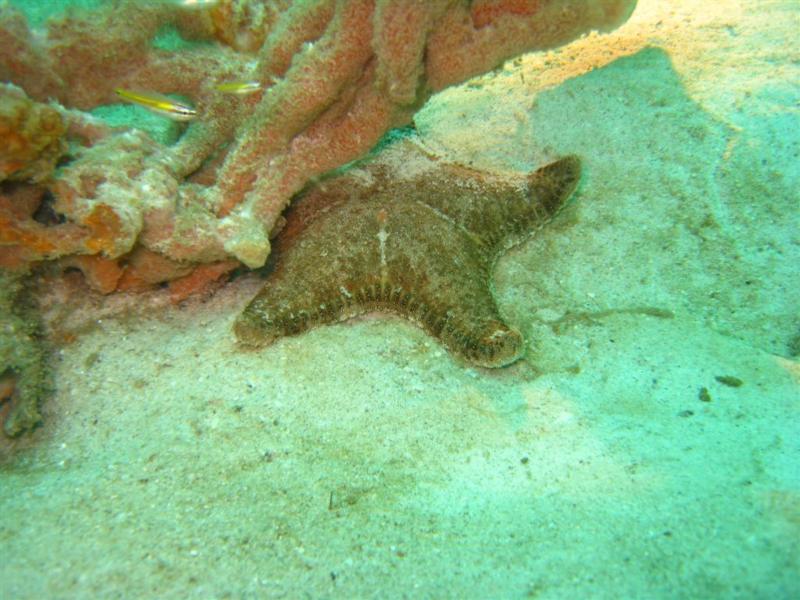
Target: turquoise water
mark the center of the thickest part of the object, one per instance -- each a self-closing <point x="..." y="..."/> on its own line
<point x="645" y="446"/>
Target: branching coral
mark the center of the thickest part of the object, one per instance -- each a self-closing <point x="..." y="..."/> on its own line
<point x="335" y="76"/>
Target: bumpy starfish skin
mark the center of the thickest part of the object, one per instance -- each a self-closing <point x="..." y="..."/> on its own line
<point x="407" y="234"/>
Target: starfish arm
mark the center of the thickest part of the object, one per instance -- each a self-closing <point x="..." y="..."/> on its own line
<point x="440" y="279"/>
<point x="500" y="210"/>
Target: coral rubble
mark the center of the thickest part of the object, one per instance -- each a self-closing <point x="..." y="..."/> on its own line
<point x="333" y="76"/>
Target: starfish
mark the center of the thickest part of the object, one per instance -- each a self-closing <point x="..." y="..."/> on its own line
<point x="406" y="233"/>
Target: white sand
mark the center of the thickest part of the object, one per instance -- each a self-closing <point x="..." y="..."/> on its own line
<point x="362" y="461"/>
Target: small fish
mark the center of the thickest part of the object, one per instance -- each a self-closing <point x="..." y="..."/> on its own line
<point x="162" y="105"/>
<point x="196" y="3"/>
<point x="240" y="88"/>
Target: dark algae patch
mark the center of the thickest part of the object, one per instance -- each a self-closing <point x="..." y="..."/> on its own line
<point x="23" y="371"/>
<point x="729" y="380"/>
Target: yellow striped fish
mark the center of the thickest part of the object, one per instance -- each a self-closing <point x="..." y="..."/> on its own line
<point x="240" y="88"/>
<point x="157" y="103"/>
<point x="196" y="3"/>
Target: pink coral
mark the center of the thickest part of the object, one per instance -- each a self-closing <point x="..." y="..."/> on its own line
<point x="336" y="75"/>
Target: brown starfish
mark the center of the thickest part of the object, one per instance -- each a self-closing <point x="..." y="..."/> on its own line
<point x="409" y="234"/>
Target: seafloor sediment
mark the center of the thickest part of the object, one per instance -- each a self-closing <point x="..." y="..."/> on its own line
<point x="645" y="446"/>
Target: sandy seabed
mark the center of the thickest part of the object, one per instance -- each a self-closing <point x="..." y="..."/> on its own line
<point x="620" y="459"/>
